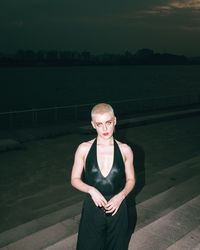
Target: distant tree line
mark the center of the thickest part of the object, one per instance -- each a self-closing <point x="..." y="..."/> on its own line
<point x="73" y="58"/>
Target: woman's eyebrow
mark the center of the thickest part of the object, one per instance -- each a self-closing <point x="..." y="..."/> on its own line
<point x="98" y="122"/>
<point x="110" y="120"/>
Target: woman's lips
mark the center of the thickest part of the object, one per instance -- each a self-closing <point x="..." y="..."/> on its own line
<point x="105" y="134"/>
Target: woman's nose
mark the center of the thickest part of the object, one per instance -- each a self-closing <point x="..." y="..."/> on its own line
<point x="104" y="127"/>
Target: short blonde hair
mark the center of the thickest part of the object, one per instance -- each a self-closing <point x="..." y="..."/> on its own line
<point x="102" y="108"/>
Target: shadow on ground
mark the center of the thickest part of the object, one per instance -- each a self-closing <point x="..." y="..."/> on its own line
<point x="139" y="166"/>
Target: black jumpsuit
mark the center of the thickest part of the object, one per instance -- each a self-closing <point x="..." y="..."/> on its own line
<point x="98" y="230"/>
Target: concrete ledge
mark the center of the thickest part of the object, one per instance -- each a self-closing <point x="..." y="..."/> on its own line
<point x="148" y="211"/>
<point x="168" y="229"/>
<point x="24" y="230"/>
<point x="9" y="144"/>
<point x="29" y="134"/>
<point x="136" y="121"/>
<point x="65" y="244"/>
<point x="159" y="234"/>
<point x="151" y="202"/>
<point x="189" y="241"/>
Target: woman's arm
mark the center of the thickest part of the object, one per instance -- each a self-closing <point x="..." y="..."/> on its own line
<point x="76" y="181"/>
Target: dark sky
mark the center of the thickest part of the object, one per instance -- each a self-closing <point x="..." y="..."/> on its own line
<point x="101" y="25"/>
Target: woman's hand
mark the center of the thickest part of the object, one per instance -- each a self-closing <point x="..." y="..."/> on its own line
<point x="114" y="203"/>
<point x="97" y="197"/>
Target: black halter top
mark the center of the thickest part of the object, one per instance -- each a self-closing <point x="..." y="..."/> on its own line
<point x="111" y="184"/>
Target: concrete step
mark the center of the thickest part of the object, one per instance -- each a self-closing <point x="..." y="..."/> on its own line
<point x="55" y="237"/>
<point x="165" y="202"/>
<point x="148" y="210"/>
<point x="45" y="237"/>
<point x="188" y="242"/>
<point x="159" y="234"/>
<point x="51" y="221"/>
<point x="153" y="208"/>
<point x="166" y="178"/>
<point x="68" y="243"/>
<point x="172" y="176"/>
<point x="167" y="230"/>
<point x="155" y="183"/>
<point x="53" y="199"/>
<point x="197" y="247"/>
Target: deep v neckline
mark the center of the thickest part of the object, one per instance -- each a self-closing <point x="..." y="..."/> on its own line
<point x="106" y="176"/>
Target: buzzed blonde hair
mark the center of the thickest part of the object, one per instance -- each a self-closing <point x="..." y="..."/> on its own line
<point x="102" y="108"/>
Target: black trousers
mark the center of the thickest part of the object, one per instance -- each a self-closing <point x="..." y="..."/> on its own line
<point x="99" y="231"/>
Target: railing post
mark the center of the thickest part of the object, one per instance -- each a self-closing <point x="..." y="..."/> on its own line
<point x="10" y="119"/>
<point x="55" y="114"/>
<point x="76" y="113"/>
<point x="34" y="117"/>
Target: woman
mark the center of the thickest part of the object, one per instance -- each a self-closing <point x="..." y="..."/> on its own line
<point x="109" y="177"/>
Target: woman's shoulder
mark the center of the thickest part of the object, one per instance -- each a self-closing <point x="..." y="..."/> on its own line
<point x="85" y="146"/>
<point x="125" y="148"/>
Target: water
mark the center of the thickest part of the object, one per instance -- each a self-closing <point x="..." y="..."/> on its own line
<point x="25" y="88"/>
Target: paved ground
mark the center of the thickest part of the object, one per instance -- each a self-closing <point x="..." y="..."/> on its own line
<point x="34" y="178"/>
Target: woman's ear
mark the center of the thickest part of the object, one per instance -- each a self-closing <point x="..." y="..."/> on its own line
<point x="115" y="120"/>
<point x="93" y="125"/>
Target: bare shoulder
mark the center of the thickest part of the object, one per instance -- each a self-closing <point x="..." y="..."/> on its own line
<point x="125" y="149"/>
<point x="84" y="147"/>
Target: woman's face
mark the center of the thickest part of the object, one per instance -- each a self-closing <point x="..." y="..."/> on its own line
<point x="104" y="124"/>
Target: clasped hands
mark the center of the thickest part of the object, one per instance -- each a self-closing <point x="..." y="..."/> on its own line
<point x="109" y="207"/>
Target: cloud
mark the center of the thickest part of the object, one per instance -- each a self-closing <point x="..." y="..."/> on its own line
<point x="170" y="7"/>
<point x="174" y="5"/>
<point x="186" y="4"/>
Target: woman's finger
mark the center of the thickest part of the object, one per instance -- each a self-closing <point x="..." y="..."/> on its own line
<point x="108" y="211"/>
<point x="109" y="205"/>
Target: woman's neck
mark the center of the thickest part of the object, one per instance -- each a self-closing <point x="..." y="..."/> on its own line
<point x="102" y="141"/>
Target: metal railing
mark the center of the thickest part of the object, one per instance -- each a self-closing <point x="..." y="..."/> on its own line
<point x="75" y="113"/>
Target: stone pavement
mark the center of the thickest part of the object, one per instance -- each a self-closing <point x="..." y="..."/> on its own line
<point x="168" y="216"/>
<point x="167" y="197"/>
